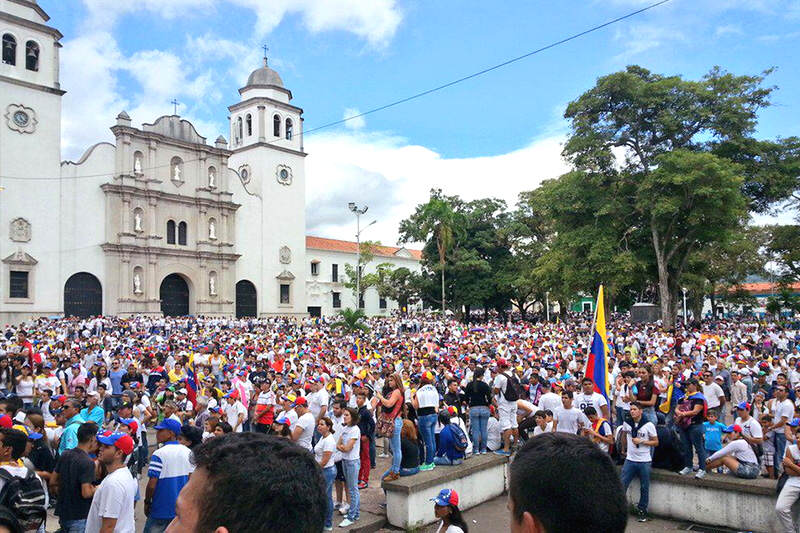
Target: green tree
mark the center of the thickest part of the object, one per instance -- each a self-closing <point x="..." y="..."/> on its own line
<point x="351" y="321"/>
<point x="665" y="181"/>
<point x="783" y="247"/>
<point x="356" y="280"/>
<point x="399" y="284"/>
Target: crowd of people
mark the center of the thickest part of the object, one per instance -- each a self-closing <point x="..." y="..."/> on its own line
<point x="85" y="400"/>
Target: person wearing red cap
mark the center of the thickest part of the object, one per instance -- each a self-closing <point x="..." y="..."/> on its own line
<point x="445" y="507"/>
<point x="235" y="411"/>
<point x="113" y="502"/>
<point x="737" y="455"/>
<point x="506" y="397"/>
<point x="303" y="430"/>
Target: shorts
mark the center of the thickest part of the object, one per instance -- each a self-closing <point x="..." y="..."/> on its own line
<point x="769" y="452"/>
<point x="748" y="470"/>
<point x="507" y="415"/>
<point x="339" y="471"/>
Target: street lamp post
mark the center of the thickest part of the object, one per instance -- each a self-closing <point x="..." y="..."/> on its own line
<point x="358" y="212"/>
<point x="684" y="305"/>
<point x="547" y="304"/>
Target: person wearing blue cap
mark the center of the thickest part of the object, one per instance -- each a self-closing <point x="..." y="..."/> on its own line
<point x="737" y="455"/>
<point x="445" y="507"/>
<point x="169" y="470"/>
<point x="751" y="428"/>
<point x="790" y="492"/>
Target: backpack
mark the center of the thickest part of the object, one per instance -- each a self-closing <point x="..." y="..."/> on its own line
<point x="25" y="498"/>
<point x="511" y="394"/>
<point x="459" y="438"/>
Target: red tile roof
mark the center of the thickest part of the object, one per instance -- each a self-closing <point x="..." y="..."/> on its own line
<point x="765" y="287"/>
<point x="335" y="245"/>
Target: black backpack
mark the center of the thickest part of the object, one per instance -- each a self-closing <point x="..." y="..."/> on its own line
<point x="511" y="394"/>
<point x="25" y="498"/>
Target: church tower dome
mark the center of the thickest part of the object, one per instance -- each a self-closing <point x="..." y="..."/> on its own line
<point x="264" y="76"/>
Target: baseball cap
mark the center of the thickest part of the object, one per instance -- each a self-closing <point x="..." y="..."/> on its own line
<point x="130" y="422"/>
<point x="119" y="440"/>
<point x="182" y="391"/>
<point x="93" y="394"/>
<point x="794" y="422"/>
<point x="300" y="401"/>
<point x="285" y="421"/>
<point x="744" y="406"/>
<point x="428" y="375"/>
<point x="733" y="428"/>
<point x="5" y="421"/>
<point x="232" y="394"/>
<point x="502" y="362"/>
<point x="452" y="410"/>
<point x="446" y="497"/>
<point x="170" y="424"/>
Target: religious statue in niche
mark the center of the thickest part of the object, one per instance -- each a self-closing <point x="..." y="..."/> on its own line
<point x="212" y="285"/>
<point x="285" y="255"/>
<point x="212" y="230"/>
<point x="20" y="230"/>
<point x="137" y="221"/>
<point x="212" y="179"/>
<point x="137" y="283"/>
<point x="137" y="164"/>
<point x="176" y="172"/>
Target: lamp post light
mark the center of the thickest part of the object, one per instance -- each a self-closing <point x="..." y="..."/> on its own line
<point x="547" y="304"/>
<point x="684" y="289"/>
<point x="358" y="212"/>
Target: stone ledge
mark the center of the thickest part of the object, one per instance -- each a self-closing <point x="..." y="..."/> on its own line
<point x="726" y="482"/>
<point x="441" y="474"/>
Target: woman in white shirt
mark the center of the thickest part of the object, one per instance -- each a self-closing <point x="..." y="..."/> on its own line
<point x="25" y="386"/>
<point x="323" y="453"/>
<point x="445" y="506"/>
<point x="351" y="462"/>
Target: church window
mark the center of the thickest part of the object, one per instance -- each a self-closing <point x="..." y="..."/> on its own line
<point x="239" y="130"/>
<point x="382" y="303"/>
<point x="335" y="273"/>
<point x="276" y="126"/>
<point x="337" y="300"/>
<point x="182" y="233"/>
<point x="18" y="284"/>
<point x="314" y="268"/>
<point x="249" y="122"/>
<point x="285" y="293"/>
<point x="32" y="56"/>
<point x="170" y="232"/>
<point x="9" y="49"/>
<point x="289" y="129"/>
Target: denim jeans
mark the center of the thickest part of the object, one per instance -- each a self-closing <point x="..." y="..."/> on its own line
<point x="478" y="427"/>
<point x="427" y="425"/>
<point x="156" y="525"/>
<point x="409" y="471"/>
<point x="445" y="461"/>
<point x="73" y="526"/>
<point x="351" y="467"/>
<point x="397" y="452"/>
<point x="329" y="474"/>
<point x="633" y="469"/>
<point x="693" y="436"/>
<point x="780" y="449"/>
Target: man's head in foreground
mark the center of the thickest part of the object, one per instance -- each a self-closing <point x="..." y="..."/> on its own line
<point x="251" y="482"/>
<point x="562" y="483"/>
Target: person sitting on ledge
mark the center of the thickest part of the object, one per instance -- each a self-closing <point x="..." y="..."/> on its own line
<point x="448" y="453"/>
<point x="737" y="455"/>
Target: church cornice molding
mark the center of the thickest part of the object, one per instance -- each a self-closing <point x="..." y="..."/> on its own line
<point x="169" y="197"/>
<point x="118" y="130"/>
<point x="29" y="85"/>
<point x="264" y="99"/>
<point x="159" y="251"/>
<point x="268" y="145"/>
<point x="44" y="28"/>
<point x="33" y="5"/>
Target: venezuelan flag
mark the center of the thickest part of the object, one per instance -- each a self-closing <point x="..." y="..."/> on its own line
<point x="597" y="365"/>
<point x="191" y="382"/>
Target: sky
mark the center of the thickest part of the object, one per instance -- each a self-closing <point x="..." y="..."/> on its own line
<point x="495" y="135"/>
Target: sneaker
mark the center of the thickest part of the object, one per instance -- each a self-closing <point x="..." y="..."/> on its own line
<point x="344" y="508"/>
<point x="346" y="523"/>
<point x="327" y="528"/>
<point x="425" y="468"/>
<point x="362" y="485"/>
<point x="337" y="506"/>
<point x="383" y="455"/>
<point x="641" y="516"/>
<point x="502" y="452"/>
<point x="700" y="474"/>
<point x="685" y="471"/>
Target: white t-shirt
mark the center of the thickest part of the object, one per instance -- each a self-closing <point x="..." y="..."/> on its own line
<point x="783" y="409"/>
<point x="114" y="499"/>
<point x="739" y="449"/>
<point x="232" y="412"/>
<point x="428" y="396"/>
<point x="794" y="452"/>
<point x="500" y="382"/>
<point x="570" y="420"/>
<point x="493" y="438"/>
<point x="307" y="422"/>
<point x="712" y="393"/>
<point x="596" y="400"/>
<point x="325" y="444"/>
<point x="450" y="529"/>
<point x="751" y="428"/>
<point x="639" y="453"/>
<point x="548" y="428"/>
<point x="550" y="401"/>
<point x="349" y="433"/>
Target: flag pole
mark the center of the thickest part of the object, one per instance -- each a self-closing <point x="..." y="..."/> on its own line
<point x="594" y="323"/>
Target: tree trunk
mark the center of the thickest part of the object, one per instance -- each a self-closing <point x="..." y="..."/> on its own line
<point x="443" y="301"/>
<point x="666" y="301"/>
<point x="713" y="297"/>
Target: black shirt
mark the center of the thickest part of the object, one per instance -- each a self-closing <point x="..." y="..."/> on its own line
<point x="74" y="468"/>
<point x="478" y="393"/>
<point x="410" y="451"/>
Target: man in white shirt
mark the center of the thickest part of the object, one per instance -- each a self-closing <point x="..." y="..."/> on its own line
<point x="113" y="502"/>
<point x="782" y="410"/>
<point x="303" y="429"/>
<point x="549" y="400"/>
<point x="507" y="409"/>
<point x="568" y="418"/>
<point x="235" y="411"/>
<point x="589" y="398"/>
<point x="641" y="437"/>
<point x="751" y="428"/>
<point x="715" y="397"/>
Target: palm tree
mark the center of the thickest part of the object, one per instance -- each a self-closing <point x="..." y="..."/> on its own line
<point x="351" y="321"/>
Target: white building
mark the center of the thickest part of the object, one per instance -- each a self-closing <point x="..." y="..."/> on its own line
<point x="160" y="221"/>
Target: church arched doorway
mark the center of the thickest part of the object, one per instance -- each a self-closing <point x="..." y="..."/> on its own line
<point x="83" y="296"/>
<point x="174" y="295"/>
<point x="246" y="299"/>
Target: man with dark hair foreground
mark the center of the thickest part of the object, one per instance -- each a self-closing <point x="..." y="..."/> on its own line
<point x="251" y="482"/>
<point x="563" y="483"/>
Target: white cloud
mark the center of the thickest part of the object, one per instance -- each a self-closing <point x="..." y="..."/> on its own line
<point x="392" y="177"/>
<point x="728" y="29"/>
<point x="639" y="38"/>
<point x="356" y="122"/>
<point x="105" y="13"/>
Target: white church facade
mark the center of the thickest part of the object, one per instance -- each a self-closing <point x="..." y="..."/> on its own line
<point x="160" y="221"/>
